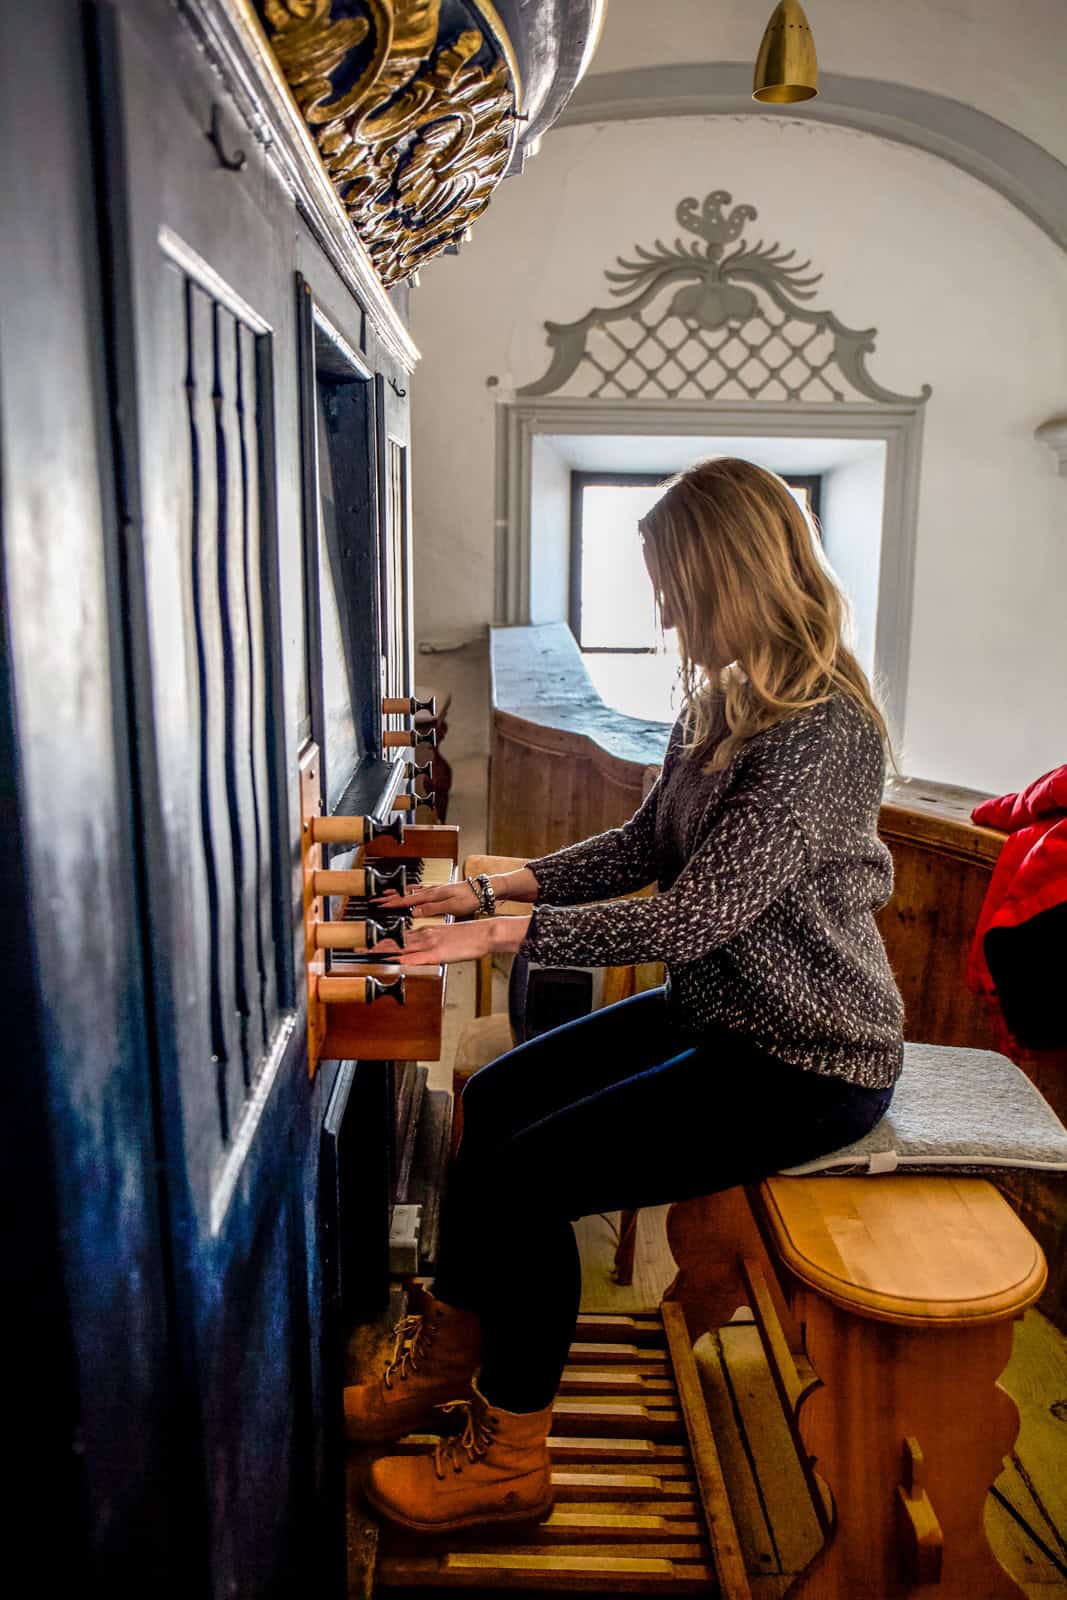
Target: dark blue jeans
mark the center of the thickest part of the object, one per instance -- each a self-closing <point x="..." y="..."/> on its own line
<point x="613" y="1111"/>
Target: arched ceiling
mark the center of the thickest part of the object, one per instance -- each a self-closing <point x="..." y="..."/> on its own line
<point x="1025" y="173"/>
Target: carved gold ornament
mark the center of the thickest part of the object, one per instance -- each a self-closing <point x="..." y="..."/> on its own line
<point x="415" y="135"/>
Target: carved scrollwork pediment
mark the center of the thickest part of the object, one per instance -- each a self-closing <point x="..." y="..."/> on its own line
<point x="412" y="105"/>
<point x="715" y="318"/>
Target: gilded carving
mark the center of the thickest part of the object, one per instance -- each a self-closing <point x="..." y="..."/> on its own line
<point x="416" y="143"/>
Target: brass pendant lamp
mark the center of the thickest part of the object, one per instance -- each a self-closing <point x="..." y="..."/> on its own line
<point x="786" y="68"/>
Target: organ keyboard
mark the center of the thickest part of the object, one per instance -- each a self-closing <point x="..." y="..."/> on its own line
<point x="348" y="984"/>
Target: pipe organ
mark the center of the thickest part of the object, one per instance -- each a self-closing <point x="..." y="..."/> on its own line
<point x="211" y="733"/>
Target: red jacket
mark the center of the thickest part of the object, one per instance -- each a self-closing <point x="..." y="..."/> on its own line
<point x="1029" y="881"/>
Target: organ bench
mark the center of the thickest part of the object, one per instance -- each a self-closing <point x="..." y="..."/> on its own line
<point x="885" y="1307"/>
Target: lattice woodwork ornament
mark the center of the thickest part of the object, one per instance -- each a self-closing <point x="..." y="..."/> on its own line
<point x="734" y="327"/>
<point x="414" y="119"/>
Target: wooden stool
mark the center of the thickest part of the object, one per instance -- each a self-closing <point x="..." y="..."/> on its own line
<point x="885" y="1306"/>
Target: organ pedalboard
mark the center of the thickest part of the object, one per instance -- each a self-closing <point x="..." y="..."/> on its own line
<point x="362" y="1007"/>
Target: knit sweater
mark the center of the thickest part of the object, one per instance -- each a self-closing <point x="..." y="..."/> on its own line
<point x="769" y="873"/>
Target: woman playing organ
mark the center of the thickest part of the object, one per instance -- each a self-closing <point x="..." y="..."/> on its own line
<point x="777" y="1038"/>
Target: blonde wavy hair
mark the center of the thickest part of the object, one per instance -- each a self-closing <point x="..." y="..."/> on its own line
<point x="738" y="570"/>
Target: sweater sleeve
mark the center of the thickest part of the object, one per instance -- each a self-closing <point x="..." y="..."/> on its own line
<point x="755" y="852"/>
<point x="800" y="786"/>
<point x="608" y="864"/>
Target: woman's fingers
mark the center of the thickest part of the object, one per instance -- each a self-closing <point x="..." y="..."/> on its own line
<point x="413" y="954"/>
<point x="392" y="900"/>
<point x="459" y="941"/>
<point x="455" y="898"/>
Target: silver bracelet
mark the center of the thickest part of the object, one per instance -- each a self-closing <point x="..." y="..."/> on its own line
<point x="472" y="885"/>
<point x="487" y="895"/>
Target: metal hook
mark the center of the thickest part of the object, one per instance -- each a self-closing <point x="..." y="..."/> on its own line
<point x="232" y="163"/>
<point x="397" y="390"/>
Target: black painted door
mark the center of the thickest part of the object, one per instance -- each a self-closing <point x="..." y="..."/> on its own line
<point x="201" y="322"/>
<point x="97" y="1471"/>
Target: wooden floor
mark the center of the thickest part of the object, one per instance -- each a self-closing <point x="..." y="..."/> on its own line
<point x="1026" y="1513"/>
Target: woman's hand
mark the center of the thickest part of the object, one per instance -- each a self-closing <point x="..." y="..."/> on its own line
<point x="459" y="899"/>
<point x="447" y="900"/>
<point x="454" y="941"/>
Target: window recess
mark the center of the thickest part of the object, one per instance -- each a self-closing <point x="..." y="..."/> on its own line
<point x="612" y="608"/>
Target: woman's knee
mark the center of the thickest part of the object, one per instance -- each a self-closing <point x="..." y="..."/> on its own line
<point x="484" y="1105"/>
<point x="496" y="1098"/>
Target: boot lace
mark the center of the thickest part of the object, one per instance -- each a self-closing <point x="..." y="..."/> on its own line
<point x="473" y="1442"/>
<point x="414" y="1338"/>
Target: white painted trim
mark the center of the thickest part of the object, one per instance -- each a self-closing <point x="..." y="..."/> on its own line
<point x="225" y="1181"/>
<point x="1024" y="172"/>
<point x="337" y="339"/>
<point x="899" y="427"/>
<point x="203" y="273"/>
<point x="230" y="33"/>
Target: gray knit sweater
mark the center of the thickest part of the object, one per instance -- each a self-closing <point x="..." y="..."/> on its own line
<point x="769" y="873"/>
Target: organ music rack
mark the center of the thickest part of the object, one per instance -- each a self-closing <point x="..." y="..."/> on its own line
<point x="362" y="1008"/>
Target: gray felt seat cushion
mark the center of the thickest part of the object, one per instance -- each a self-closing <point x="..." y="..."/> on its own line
<point x="955" y="1110"/>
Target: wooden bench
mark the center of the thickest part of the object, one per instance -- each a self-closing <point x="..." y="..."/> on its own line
<point x="885" y="1307"/>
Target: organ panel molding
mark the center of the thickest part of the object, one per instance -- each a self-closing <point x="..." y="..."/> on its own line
<point x="412" y="107"/>
<point x="714" y="318"/>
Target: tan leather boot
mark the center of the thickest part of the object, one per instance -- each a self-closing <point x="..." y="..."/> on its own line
<point x="497" y="1471"/>
<point x="436" y="1354"/>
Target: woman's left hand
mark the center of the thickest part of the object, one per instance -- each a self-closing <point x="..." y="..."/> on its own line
<point x="455" y="941"/>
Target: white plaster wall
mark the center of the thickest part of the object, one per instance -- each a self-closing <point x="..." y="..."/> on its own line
<point x="966" y="294"/>
<point x="1006" y="59"/>
<point x="550" y="533"/>
<point x="851" y="518"/>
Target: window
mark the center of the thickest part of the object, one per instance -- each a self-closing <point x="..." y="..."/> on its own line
<point x="634" y="666"/>
<point x="612" y="606"/>
<point x="611" y="602"/>
<point x="808" y="491"/>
